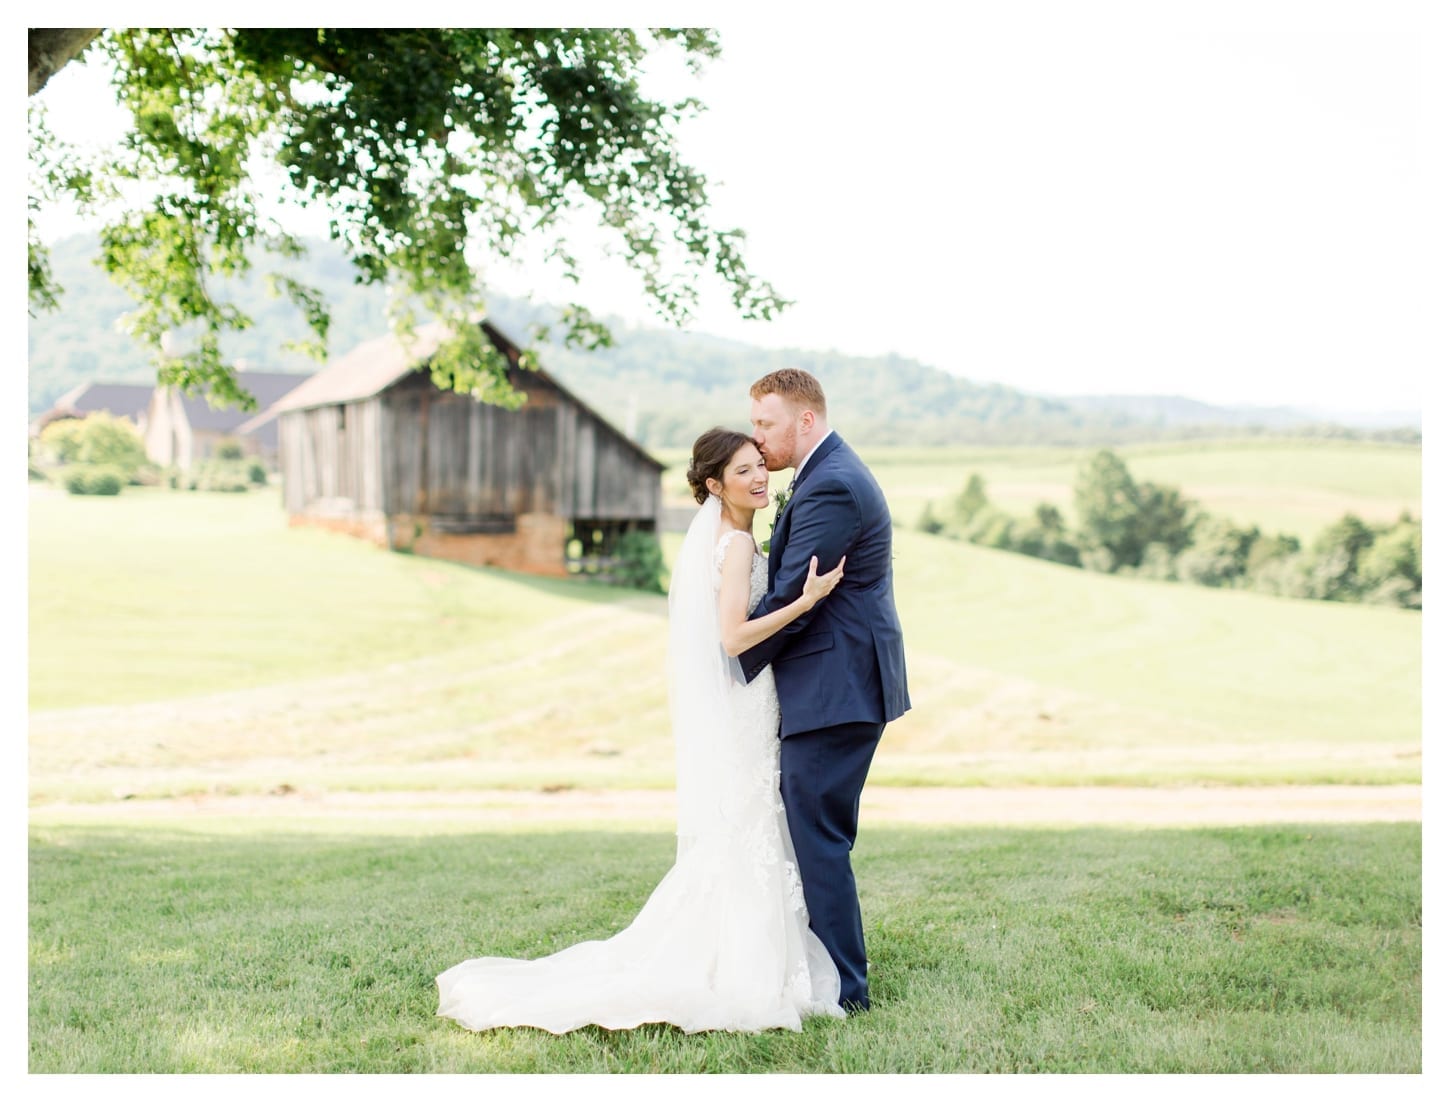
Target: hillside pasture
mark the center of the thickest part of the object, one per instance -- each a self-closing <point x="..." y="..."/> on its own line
<point x="184" y="643"/>
<point x="1293" y="486"/>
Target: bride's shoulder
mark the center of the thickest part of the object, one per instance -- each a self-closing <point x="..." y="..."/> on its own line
<point x="727" y="541"/>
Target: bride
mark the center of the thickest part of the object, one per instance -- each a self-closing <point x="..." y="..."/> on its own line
<point x="723" y="942"/>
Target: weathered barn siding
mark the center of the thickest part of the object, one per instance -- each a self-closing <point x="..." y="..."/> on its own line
<point x="601" y="478"/>
<point x="331" y="467"/>
<point x="392" y="458"/>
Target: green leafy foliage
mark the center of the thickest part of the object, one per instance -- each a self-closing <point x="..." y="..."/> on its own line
<point x="417" y="141"/>
<point x="1152" y="531"/>
<point x="219" y="474"/>
<point x="88" y="478"/>
<point x="639" y="562"/>
<point x="96" y="440"/>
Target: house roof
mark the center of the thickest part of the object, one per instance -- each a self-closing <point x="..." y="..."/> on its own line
<point x="117" y="399"/>
<point x="266" y="386"/>
<point x="375" y="365"/>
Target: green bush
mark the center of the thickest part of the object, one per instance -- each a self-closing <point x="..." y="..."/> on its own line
<point x="928" y="521"/>
<point x="84" y="478"/>
<point x="639" y="562"/>
<point x="224" y="476"/>
<point x="96" y="440"/>
<point x="992" y="527"/>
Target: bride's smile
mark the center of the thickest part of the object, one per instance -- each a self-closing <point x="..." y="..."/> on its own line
<point x="744" y="485"/>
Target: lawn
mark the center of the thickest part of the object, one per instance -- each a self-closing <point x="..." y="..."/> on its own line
<point x="192" y="643"/>
<point x="306" y="946"/>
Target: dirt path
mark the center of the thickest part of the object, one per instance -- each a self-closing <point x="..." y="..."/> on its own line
<point x="1185" y="806"/>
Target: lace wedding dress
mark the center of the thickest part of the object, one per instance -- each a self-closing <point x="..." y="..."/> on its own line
<point x="723" y="942"/>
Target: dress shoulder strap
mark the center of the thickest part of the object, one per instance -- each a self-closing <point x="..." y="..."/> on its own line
<point x="724" y="542"/>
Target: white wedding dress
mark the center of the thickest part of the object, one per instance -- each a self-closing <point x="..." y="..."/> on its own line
<point x="723" y="942"/>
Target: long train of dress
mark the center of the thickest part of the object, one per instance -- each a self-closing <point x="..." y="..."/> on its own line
<point x="722" y="943"/>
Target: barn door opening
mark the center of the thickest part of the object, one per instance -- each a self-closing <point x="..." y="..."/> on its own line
<point x="592" y="546"/>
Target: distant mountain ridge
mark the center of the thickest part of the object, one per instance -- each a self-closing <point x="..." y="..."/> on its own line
<point x="661" y="386"/>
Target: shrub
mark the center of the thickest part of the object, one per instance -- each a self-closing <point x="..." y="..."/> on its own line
<point x="96" y="440"/>
<point x="86" y="478"/>
<point x="928" y="521"/>
<point x="1285" y="575"/>
<point x="222" y="476"/>
<point x="991" y="527"/>
<point x="60" y="441"/>
<point x="148" y="475"/>
<point x="639" y="562"/>
<point x="1158" y="563"/>
<point x="966" y="505"/>
<point x="1219" y="553"/>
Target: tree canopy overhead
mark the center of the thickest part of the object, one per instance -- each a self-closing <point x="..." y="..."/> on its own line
<point x="417" y="142"/>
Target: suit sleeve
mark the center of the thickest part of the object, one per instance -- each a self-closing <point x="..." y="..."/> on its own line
<point x="827" y="525"/>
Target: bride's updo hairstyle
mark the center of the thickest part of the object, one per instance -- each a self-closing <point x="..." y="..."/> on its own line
<point x="712" y="451"/>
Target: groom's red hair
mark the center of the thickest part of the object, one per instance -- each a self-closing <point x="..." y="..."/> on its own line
<point x="797" y="387"/>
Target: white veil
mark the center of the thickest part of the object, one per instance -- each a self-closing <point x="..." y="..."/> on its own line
<point x="700" y="676"/>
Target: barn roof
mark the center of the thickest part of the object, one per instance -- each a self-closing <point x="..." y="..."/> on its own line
<point x="375" y="365"/>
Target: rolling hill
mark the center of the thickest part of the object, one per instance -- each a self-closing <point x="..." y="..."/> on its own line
<point x="660" y="385"/>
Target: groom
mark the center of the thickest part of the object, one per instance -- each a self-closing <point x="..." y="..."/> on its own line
<point x="840" y="669"/>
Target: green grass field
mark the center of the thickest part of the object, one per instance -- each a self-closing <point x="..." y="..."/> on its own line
<point x="292" y="946"/>
<point x="183" y="643"/>
<point x="189" y="644"/>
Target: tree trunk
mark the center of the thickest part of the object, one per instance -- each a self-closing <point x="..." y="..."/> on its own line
<point x="52" y="48"/>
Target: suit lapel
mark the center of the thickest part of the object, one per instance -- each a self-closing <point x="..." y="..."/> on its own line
<point x="827" y="446"/>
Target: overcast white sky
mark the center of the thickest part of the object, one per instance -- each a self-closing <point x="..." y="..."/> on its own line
<point x="1096" y="198"/>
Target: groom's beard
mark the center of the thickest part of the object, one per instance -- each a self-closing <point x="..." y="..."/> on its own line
<point x="794" y="459"/>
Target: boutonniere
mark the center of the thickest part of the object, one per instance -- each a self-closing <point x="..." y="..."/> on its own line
<point x="782" y="497"/>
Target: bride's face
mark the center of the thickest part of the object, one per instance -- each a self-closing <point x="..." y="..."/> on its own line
<point x="745" y="479"/>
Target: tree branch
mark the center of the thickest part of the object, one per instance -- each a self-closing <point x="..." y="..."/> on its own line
<point x="51" y="49"/>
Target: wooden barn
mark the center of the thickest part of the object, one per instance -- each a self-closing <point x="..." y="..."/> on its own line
<point x="371" y="447"/>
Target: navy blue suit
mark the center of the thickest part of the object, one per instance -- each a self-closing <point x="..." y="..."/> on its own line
<point x="840" y="671"/>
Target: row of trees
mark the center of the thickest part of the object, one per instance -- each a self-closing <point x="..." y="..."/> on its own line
<point x="1153" y="531"/>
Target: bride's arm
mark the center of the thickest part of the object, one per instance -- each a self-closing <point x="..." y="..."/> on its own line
<point x="737" y="632"/>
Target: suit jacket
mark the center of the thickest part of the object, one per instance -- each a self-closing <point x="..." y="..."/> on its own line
<point x="843" y="661"/>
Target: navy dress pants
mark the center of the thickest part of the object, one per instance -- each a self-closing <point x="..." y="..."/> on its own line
<point x="822" y="773"/>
